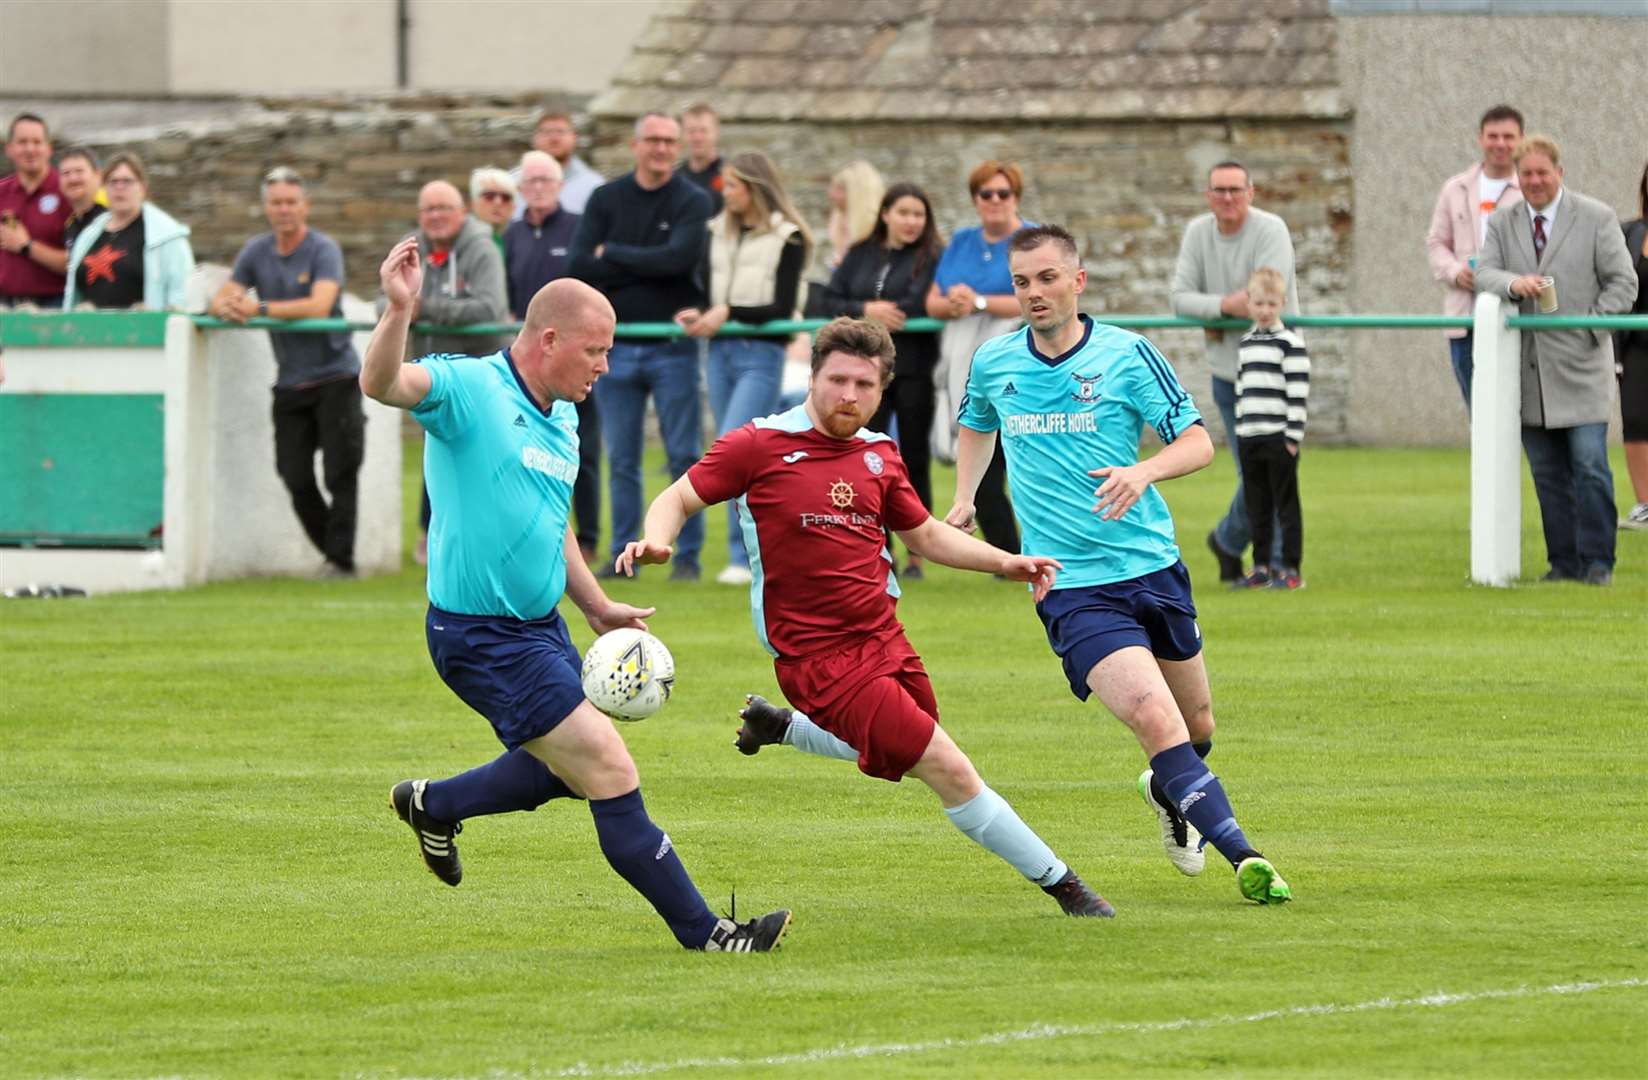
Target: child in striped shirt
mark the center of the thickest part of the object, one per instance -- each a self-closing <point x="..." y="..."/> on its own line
<point x="1272" y="383"/>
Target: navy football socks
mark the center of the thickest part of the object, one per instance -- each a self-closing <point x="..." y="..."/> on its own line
<point x="1203" y="748"/>
<point x="643" y="855"/>
<point x="514" y="781"/>
<point x="1197" y="794"/>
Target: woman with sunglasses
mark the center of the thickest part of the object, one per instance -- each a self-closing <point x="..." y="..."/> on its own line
<point x="973" y="289"/>
<point x="492" y="199"/>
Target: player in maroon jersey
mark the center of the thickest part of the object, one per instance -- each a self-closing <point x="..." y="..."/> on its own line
<point x="815" y="490"/>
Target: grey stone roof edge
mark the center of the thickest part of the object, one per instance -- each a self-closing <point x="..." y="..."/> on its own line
<point x="984" y="60"/>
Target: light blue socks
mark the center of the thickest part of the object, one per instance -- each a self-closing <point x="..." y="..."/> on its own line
<point x="809" y="738"/>
<point x="989" y="822"/>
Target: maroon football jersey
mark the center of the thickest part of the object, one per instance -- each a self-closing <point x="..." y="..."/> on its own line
<point x="812" y="508"/>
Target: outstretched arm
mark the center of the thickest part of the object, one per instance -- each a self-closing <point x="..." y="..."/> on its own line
<point x="385" y="376"/>
<point x="668" y="512"/>
<point x="934" y="540"/>
<point x="601" y="611"/>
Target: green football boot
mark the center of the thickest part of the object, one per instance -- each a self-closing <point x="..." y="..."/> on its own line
<point x="1260" y="882"/>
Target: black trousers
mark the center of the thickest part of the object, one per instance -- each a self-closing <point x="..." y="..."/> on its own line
<point x="1270" y="483"/>
<point x="992" y="509"/>
<point x="910" y="400"/>
<point x="327" y="418"/>
<point x="586" y="489"/>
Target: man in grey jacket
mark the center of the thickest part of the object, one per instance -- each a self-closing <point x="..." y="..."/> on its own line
<point x="1219" y="253"/>
<point x="463" y="281"/>
<point x="1575" y="243"/>
<point x="463" y="284"/>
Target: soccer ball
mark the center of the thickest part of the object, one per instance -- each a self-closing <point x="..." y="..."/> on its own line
<point x="628" y="674"/>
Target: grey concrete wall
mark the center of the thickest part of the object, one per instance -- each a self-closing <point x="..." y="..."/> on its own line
<point x="276" y="47"/>
<point x="570" y="45"/>
<point x="112" y="47"/>
<point x="1419" y="84"/>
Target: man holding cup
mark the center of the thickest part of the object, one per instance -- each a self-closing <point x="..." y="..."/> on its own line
<point x="1560" y="252"/>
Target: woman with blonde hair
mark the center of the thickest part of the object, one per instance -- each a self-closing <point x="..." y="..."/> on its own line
<point x="855" y="202"/>
<point x="758" y="249"/>
<point x="492" y="195"/>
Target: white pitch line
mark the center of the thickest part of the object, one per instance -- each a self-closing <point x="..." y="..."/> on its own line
<point x="1037" y="1032"/>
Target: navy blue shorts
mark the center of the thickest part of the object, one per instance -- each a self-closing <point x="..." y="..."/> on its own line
<point x="1086" y="624"/>
<point x="522" y="675"/>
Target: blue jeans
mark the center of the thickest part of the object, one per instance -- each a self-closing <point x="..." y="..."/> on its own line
<point x="1575" y="487"/>
<point x="744" y="377"/>
<point x="1460" y="350"/>
<point x="669" y="371"/>
<point x="1233" y="533"/>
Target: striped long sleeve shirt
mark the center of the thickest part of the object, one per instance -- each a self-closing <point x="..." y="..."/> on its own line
<point x="1272" y="383"/>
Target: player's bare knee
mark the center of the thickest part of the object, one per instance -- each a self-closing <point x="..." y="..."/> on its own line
<point x="1155" y="719"/>
<point x="947" y="770"/>
<point x="611" y="775"/>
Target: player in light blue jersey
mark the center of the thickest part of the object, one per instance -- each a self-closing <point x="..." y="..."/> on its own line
<point x="1070" y="399"/>
<point x="500" y="462"/>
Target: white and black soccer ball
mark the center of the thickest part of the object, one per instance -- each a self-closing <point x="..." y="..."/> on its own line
<point x="628" y="674"/>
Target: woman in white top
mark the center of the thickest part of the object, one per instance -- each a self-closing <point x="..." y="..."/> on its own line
<point x="758" y="249"/>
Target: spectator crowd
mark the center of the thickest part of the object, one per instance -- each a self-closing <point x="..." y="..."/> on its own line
<point x="700" y="239"/>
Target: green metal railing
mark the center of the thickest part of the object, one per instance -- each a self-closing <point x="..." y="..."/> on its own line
<point x="666" y="330"/>
<point x="147" y="328"/>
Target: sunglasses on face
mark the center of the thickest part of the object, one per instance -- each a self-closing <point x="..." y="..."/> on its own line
<point x="497" y="196"/>
<point x="989" y="194"/>
<point x="1227" y="192"/>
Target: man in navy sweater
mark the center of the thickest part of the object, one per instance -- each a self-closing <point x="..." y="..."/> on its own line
<point x="641" y="242"/>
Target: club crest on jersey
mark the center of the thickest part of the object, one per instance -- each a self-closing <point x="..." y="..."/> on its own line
<point x="1087" y="391"/>
<point x="873" y="462"/>
<point x="841" y="494"/>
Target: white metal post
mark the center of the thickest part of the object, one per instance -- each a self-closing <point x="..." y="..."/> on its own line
<point x="1496" y="446"/>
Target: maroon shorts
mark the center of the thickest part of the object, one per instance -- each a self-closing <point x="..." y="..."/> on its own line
<point x="874" y="695"/>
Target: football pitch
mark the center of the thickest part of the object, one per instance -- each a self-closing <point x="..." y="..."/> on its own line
<point x="203" y="876"/>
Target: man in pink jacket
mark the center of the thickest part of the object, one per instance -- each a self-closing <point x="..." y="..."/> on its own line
<point x="1460" y="221"/>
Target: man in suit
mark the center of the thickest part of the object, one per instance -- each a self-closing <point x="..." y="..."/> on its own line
<point x="1567" y="375"/>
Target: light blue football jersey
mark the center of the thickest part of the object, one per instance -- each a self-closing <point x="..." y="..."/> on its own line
<point x="1059" y="416"/>
<point x="500" y="473"/>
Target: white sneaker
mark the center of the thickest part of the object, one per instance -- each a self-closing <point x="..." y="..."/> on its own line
<point x="1637" y="518"/>
<point x="735" y="575"/>
<point x="1180" y="839"/>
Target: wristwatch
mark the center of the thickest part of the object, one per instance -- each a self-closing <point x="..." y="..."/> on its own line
<point x="28" y="245"/>
<point x="263" y="309"/>
<point x="980" y="303"/>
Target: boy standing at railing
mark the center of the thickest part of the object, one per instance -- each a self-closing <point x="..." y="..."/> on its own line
<point x="1272" y="383"/>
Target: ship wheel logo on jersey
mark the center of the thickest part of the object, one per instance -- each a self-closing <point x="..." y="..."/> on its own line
<point x="1088" y="388"/>
<point x="841" y="494"/>
<point x="873" y="462"/>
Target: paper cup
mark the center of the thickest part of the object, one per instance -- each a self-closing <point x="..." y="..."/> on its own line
<point x="1547" y="295"/>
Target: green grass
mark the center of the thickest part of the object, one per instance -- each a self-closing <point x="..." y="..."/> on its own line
<point x="203" y="877"/>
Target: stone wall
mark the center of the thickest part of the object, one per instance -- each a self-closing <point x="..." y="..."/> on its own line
<point x="1125" y="190"/>
<point x="364" y="158"/>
